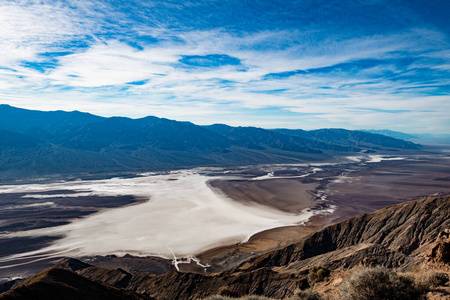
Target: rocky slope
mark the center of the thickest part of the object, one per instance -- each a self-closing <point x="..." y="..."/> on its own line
<point x="400" y="236"/>
<point x="57" y="283"/>
<point x="393" y="235"/>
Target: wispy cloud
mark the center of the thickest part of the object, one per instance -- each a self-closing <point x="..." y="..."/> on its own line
<point x="169" y="59"/>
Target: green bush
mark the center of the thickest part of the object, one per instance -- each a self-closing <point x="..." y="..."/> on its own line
<point x="317" y="274"/>
<point x="378" y="284"/>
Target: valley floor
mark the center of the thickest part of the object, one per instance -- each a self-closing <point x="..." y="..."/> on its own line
<point x="269" y="207"/>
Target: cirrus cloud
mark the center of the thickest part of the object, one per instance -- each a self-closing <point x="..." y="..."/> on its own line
<point x="163" y="59"/>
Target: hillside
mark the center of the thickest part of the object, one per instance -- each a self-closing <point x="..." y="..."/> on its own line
<point x="36" y="143"/>
<point x="352" y="139"/>
<point x="403" y="236"/>
<point x="56" y="283"/>
<point x="284" y="139"/>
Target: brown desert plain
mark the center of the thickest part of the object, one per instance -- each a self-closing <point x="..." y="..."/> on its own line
<point x="354" y="190"/>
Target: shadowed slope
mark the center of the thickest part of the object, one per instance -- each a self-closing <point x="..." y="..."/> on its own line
<point x="36" y="143"/>
<point x="408" y="229"/>
<point x="55" y="283"/>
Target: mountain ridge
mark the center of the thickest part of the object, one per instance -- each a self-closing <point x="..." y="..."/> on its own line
<point x="76" y="142"/>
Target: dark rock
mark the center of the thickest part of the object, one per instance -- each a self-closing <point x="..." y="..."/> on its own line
<point x="440" y="252"/>
<point x="56" y="283"/>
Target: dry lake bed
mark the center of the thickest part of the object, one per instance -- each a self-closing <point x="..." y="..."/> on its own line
<point x="203" y="218"/>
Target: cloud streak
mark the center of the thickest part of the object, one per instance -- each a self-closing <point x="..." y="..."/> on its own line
<point x="174" y="61"/>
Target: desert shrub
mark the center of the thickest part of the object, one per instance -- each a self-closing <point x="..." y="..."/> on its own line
<point x="378" y="283"/>
<point x="317" y="274"/>
<point x="217" y="297"/>
<point x="226" y="291"/>
<point x="427" y="280"/>
<point x="252" y="297"/>
<point x="306" y="295"/>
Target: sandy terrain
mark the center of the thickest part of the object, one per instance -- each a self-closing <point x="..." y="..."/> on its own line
<point x="360" y="188"/>
<point x="288" y="195"/>
<point x="387" y="183"/>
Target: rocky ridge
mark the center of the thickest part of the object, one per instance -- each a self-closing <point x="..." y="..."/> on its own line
<point x="37" y="143"/>
<point x="401" y="237"/>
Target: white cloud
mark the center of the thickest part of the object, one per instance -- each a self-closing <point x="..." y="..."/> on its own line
<point x="96" y="78"/>
<point x="29" y="27"/>
<point x="112" y="63"/>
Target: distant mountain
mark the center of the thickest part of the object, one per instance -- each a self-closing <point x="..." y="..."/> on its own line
<point x="14" y="140"/>
<point x="25" y="156"/>
<point x="258" y="138"/>
<point x="42" y="123"/>
<point x="312" y="141"/>
<point x="347" y="140"/>
<point x="360" y="139"/>
<point x="432" y="139"/>
<point x="392" y="133"/>
<point x="35" y="143"/>
<point x="422" y="138"/>
<point x="149" y="132"/>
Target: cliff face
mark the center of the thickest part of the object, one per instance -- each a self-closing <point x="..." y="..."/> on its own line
<point x="400" y="236"/>
<point x="404" y="231"/>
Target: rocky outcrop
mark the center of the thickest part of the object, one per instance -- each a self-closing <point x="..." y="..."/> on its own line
<point x="440" y="250"/>
<point x="408" y="229"/>
<point x="177" y="285"/>
<point x="56" y="283"/>
<point x="400" y="236"/>
<point x="10" y="284"/>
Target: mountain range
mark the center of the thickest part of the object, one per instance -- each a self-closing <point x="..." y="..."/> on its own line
<point x="424" y="138"/>
<point x="35" y="143"/>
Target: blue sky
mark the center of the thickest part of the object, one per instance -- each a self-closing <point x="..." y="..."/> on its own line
<point x="361" y="64"/>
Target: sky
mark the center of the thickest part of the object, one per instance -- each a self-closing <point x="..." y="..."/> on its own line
<point x="360" y="64"/>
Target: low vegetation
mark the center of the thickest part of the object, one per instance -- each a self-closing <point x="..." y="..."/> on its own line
<point x="379" y="283"/>
<point x="362" y="283"/>
<point x="427" y="280"/>
<point x="307" y="295"/>
<point x="218" y="297"/>
<point x="317" y="274"/>
<point x="226" y="292"/>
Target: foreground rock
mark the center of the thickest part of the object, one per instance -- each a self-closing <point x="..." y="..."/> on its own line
<point x="401" y="236"/>
<point x="56" y="283"/>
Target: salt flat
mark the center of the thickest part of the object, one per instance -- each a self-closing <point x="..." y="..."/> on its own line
<point x="183" y="215"/>
<point x="186" y="213"/>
